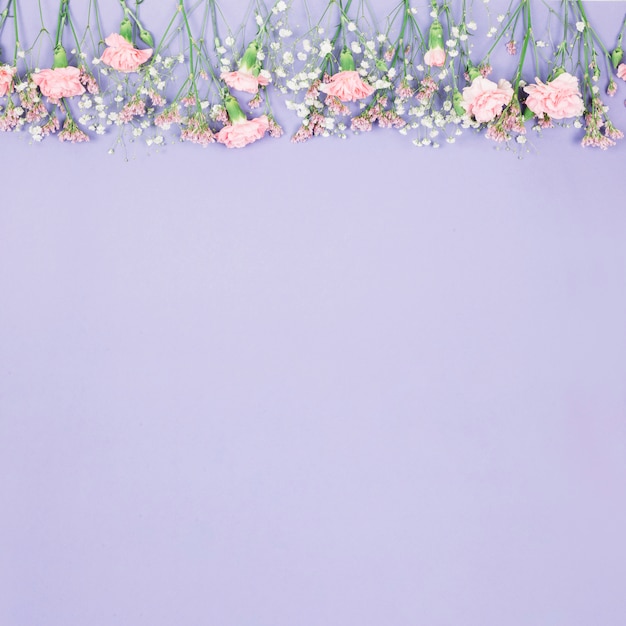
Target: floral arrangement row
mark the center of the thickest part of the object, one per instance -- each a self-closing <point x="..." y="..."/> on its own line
<point x="424" y="71"/>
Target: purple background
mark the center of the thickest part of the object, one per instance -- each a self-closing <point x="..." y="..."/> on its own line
<point x="325" y="385"/>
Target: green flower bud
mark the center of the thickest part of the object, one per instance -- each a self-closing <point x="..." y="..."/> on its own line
<point x="346" y="61"/>
<point x="381" y="65"/>
<point x="557" y="72"/>
<point x="435" y="35"/>
<point x="126" y="29"/>
<point x="457" y="102"/>
<point x="616" y="57"/>
<point x="528" y="114"/>
<point x="473" y="72"/>
<point x="235" y="113"/>
<point x="249" y="60"/>
<point x="60" y="57"/>
<point x="146" y="37"/>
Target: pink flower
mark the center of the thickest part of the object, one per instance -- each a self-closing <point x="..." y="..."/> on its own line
<point x="122" y="56"/>
<point x="243" y="80"/>
<point x="484" y="100"/>
<point x="558" y="98"/>
<point x="243" y="132"/>
<point x="621" y="71"/>
<point x="6" y="79"/>
<point x="347" y="86"/>
<point x="61" y="82"/>
<point x="435" y="57"/>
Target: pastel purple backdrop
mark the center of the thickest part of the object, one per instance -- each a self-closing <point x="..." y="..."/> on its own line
<point x="349" y="382"/>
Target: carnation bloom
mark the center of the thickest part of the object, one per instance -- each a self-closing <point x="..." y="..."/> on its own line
<point x="244" y="80"/>
<point x="435" y="57"/>
<point x="122" y="56"/>
<point x="6" y="79"/>
<point x="243" y="132"/>
<point x="484" y="99"/>
<point x="558" y="98"/>
<point x="621" y="71"/>
<point x="348" y="86"/>
<point x="61" y="82"/>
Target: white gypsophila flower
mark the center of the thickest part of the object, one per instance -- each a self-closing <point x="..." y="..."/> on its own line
<point x="434" y="14"/>
<point x="287" y="58"/>
<point x="454" y="32"/>
<point x="137" y="132"/>
<point x="381" y="38"/>
<point x="351" y="26"/>
<point x="354" y="46"/>
<point x="281" y="6"/>
<point x="275" y="46"/>
<point x="580" y="26"/>
<point x="180" y="58"/>
<point x="472" y="25"/>
<point x="370" y="45"/>
<point x="302" y="56"/>
<point x="259" y="20"/>
<point x="540" y="44"/>
<point x="382" y="84"/>
<point x="325" y="47"/>
<point x="392" y="72"/>
<point x="451" y="43"/>
<point x="492" y="31"/>
<point x="284" y="33"/>
<point x="229" y="41"/>
<point x="306" y="45"/>
<point x="453" y="53"/>
<point x="280" y="72"/>
<point x="500" y="18"/>
<point x="220" y="50"/>
<point x="463" y="37"/>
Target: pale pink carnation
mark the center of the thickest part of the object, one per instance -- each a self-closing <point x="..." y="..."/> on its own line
<point x="122" y="56"/>
<point x="6" y="79"/>
<point x="435" y="57"/>
<point x="243" y="132"/>
<point x="347" y="86"/>
<point x="621" y="71"/>
<point x="61" y="82"/>
<point x="558" y="98"/>
<point x="484" y="99"/>
<point x="242" y="80"/>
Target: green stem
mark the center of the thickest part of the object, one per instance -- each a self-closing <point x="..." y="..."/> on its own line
<point x="528" y="32"/>
<point x="61" y="21"/>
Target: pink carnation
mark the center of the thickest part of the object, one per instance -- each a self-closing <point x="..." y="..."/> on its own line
<point x="435" y="57"/>
<point x="347" y="86"/>
<point x="122" y="56"/>
<point x="621" y="71"/>
<point x="61" y="82"/>
<point x="6" y="79"/>
<point x="243" y="132"/>
<point x="558" y="98"/>
<point x="242" y="80"/>
<point x="484" y="100"/>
